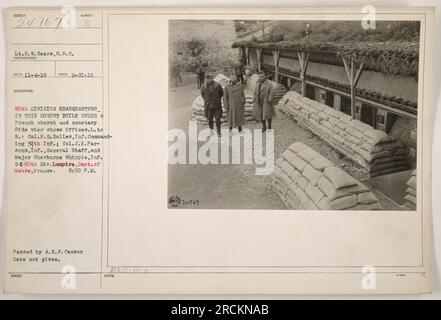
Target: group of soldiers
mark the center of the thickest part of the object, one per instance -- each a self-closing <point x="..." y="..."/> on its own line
<point x="233" y="96"/>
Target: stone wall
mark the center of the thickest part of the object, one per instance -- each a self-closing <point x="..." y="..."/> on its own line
<point x="305" y="180"/>
<point x="411" y="192"/>
<point x="374" y="150"/>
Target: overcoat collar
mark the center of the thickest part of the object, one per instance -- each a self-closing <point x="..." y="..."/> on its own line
<point x="263" y="85"/>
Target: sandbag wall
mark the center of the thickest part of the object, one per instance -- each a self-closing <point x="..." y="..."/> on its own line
<point x="374" y="150"/>
<point x="279" y="90"/>
<point x="305" y="180"/>
<point x="198" y="105"/>
<point x="411" y="192"/>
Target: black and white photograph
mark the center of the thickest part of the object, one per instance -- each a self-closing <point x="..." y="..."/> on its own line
<point x="293" y="114"/>
<point x="223" y="150"/>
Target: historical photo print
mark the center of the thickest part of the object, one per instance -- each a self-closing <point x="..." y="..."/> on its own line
<point x="222" y="150"/>
<point x="303" y="115"/>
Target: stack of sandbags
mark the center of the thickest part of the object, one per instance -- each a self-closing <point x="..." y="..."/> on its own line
<point x="411" y="192"/>
<point x="278" y="93"/>
<point x="279" y="90"/>
<point x="305" y="180"/>
<point x="251" y="83"/>
<point x="374" y="150"/>
<point x="222" y="79"/>
<point x="249" y="109"/>
<point x="198" y="105"/>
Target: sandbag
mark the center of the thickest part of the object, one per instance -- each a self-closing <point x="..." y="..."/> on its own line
<point x="356" y="140"/>
<point x="305" y="180"/>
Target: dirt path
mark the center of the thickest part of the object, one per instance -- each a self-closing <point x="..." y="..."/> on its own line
<point x="237" y="186"/>
<point x="214" y="186"/>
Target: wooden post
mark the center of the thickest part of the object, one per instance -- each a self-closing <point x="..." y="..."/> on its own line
<point x="321" y="96"/>
<point x="242" y="53"/>
<point x="353" y="80"/>
<point x="303" y="60"/>
<point x="337" y="101"/>
<point x="259" y="59"/>
<point x="247" y="56"/>
<point x="352" y="90"/>
<point x="276" y="57"/>
<point x="382" y="120"/>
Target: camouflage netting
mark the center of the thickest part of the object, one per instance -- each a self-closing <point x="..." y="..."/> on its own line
<point x="374" y="150"/>
<point x="305" y="180"/>
<point x="411" y="192"/>
<point x="198" y="105"/>
<point x="279" y="89"/>
<point x="389" y="57"/>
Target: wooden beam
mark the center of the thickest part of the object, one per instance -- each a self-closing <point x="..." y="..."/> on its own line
<point x="337" y="102"/>
<point x="352" y="89"/>
<point x="299" y="56"/>
<point x="348" y="73"/>
<point x="247" y="56"/>
<point x="276" y="57"/>
<point x="303" y="60"/>
<point x="358" y="75"/>
<point x="353" y="78"/>
<point x="242" y="53"/>
<point x="259" y="59"/>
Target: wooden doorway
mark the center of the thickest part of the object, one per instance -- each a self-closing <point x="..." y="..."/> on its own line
<point x="330" y="99"/>
<point x="310" y="92"/>
<point x="368" y="115"/>
<point x="345" y="105"/>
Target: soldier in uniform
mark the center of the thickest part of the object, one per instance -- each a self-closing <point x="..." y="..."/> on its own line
<point x="200" y="73"/>
<point x="212" y="94"/>
<point x="263" y="102"/>
<point x="234" y="102"/>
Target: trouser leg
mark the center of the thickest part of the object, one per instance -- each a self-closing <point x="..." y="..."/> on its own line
<point x="218" y="124"/>
<point x="269" y="123"/>
<point x="201" y="78"/>
<point x="210" y="119"/>
<point x="263" y="125"/>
